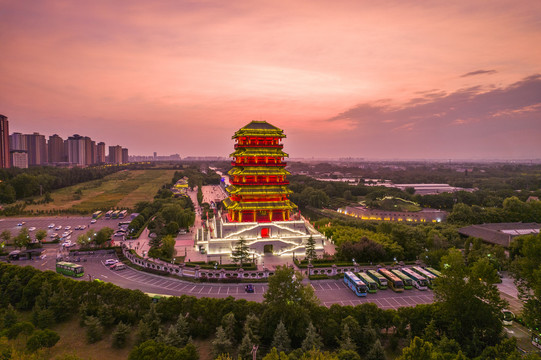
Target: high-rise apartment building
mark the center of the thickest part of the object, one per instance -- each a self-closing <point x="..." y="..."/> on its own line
<point x="37" y="149"/>
<point x="17" y="141"/>
<point x="76" y="150"/>
<point x="56" y="149"/>
<point x="115" y="154"/>
<point x="19" y="158"/>
<point x="125" y="156"/>
<point x="100" y="153"/>
<point x="4" y="143"/>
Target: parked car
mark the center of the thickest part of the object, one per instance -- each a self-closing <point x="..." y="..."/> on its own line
<point x="21" y="223"/>
<point x="93" y="221"/>
<point x="51" y="226"/>
<point x="54" y="235"/>
<point x="59" y="227"/>
<point x="111" y="261"/>
<point x="82" y="227"/>
<point x="118" y="266"/>
<point x="32" y="228"/>
<point x="249" y="288"/>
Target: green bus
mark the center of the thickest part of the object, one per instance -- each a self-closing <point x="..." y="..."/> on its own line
<point x="433" y="271"/>
<point x="115" y="214"/>
<point x="372" y="285"/>
<point x="380" y="279"/>
<point x="408" y="282"/>
<point x="97" y="214"/>
<point x="70" y="269"/>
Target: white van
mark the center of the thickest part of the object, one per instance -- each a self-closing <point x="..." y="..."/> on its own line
<point x="118" y="266"/>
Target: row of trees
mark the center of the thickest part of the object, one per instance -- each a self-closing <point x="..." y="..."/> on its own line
<point x="18" y="183"/>
<point x="464" y="320"/>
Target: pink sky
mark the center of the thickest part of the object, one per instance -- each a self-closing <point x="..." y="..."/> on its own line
<point x="366" y="79"/>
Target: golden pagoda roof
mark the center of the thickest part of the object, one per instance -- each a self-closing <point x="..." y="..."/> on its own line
<point x="254" y="151"/>
<point x="258" y="170"/>
<point x="259" y="128"/>
<point x="277" y="205"/>
<point x="258" y="189"/>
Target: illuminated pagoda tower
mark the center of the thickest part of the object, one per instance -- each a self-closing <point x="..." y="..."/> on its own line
<point x="258" y="191"/>
<point x="258" y="209"/>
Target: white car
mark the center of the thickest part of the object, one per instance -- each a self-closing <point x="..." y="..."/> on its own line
<point x="111" y="261"/>
<point x="59" y="227"/>
<point x="82" y="227"/>
<point x="67" y="227"/>
<point x="93" y="221"/>
<point x="54" y="235"/>
<point x="31" y="229"/>
<point x="51" y="226"/>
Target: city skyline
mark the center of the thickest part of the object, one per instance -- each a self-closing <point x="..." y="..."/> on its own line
<point x="351" y="79"/>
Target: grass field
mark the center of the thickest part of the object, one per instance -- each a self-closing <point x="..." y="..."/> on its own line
<point x="122" y="189"/>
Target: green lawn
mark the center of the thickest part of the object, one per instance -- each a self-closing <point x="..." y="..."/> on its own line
<point x="122" y="189"/>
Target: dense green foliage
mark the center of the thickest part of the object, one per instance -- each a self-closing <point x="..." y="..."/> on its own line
<point x="289" y="318"/>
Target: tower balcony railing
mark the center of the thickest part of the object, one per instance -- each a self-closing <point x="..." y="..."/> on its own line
<point x="260" y="163"/>
<point x="278" y="183"/>
<point x="276" y="146"/>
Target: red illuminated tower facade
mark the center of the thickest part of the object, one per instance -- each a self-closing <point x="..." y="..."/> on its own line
<point x="258" y="190"/>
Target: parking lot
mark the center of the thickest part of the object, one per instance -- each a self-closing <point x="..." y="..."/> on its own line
<point x="62" y="221"/>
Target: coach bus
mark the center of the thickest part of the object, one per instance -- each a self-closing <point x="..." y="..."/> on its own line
<point x="372" y="285"/>
<point x="355" y="284"/>
<point x="419" y="281"/>
<point x="433" y="271"/>
<point x="408" y="282"/>
<point x="427" y="274"/>
<point x="70" y="269"/>
<point x="395" y="283"/>
<point x="380" y="279"/>
<point x="108" y="214"/>
<point x="115" y="214"/>
<point x="97" y="214"/>
<point x="122" y="214"/>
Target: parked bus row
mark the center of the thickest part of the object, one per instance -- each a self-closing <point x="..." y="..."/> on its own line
<point x="397" y="280"/>
<point x="114" y="214"/>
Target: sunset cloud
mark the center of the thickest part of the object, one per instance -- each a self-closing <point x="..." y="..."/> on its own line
<point x="162" y="76"/>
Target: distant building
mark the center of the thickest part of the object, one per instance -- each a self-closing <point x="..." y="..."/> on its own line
<point x="125" y="156"/>
<point x="420" y="189"/>
<point x="19" y="158"/>
<point x="56" y="149"/>
<point x="4" y="143"/>
<point x="115" y="154"/>
<point x="422" y="216"/>
<point x="100" y="151"/>
<point x="17" y="141"/>
<point x="500" y="233"/>
<point x="37" y="149"/>
<point x="76" y="150"/>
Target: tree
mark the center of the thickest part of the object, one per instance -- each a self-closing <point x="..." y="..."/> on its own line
<point x="311" y="249"/>
<point x="22" y="239"/>
<point x="103" y="235"/>
<point x="526" y="270"/>
<point x="5" y="236"/>
<point x="376" y="352"/>
<point x="346" y="342"/>
<point x="229" y="324"/>
<point x="418" y="350"/>
<point x="168" y="246"/>
<point x="275" y="355"/>
<point x="94" y="330"/>
<point x="221" y="344"/>
<point x="468" y="303"/>
<point x="240" y="253"/>
<point x="281" y="341"/>
<point x="41" y="234"/>
<point x="120" y="335"/>
<point x="286" y="288"/>
<point x="47" y="198"/>
<point x="312" y="339"/>
<point x="42" y="338"/>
